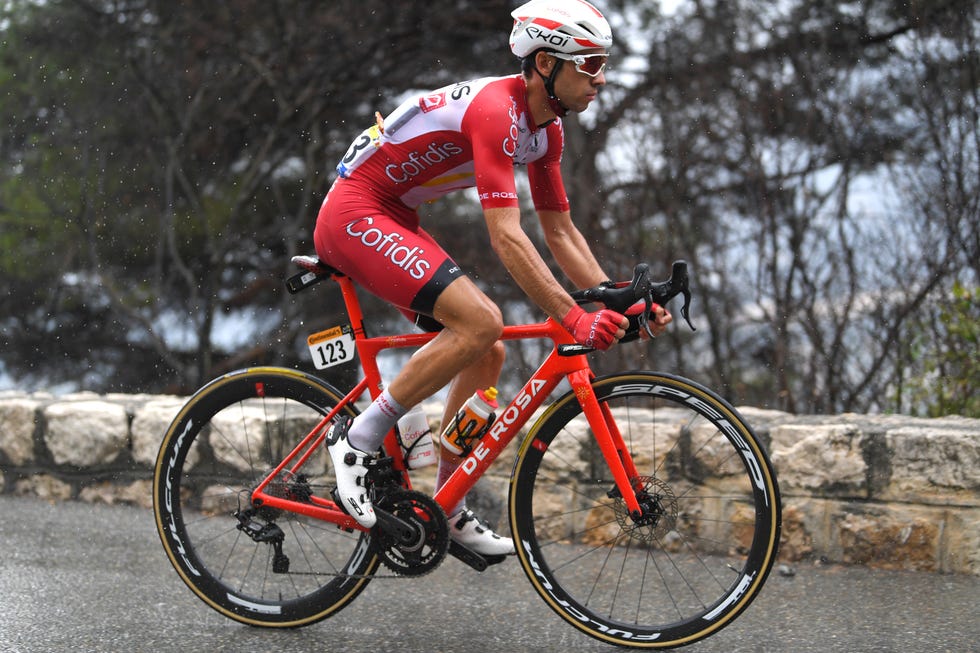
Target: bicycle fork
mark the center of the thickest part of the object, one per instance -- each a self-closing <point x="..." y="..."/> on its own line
<point x="611" y="443"/>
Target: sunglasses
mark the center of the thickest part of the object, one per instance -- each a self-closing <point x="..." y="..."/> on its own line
<point x="587" y="64"/>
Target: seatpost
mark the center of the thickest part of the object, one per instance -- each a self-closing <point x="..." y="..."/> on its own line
<point x="351" y="303"/>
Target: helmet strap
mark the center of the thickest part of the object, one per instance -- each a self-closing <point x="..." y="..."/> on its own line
<point x="549" y="86"/>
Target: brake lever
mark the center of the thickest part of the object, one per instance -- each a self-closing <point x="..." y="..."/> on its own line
<point x="686" y="308"/>
<point x="643" y="288"/>
<point x="644" y="320"/>
<point x="677" y="284"/>
<point x="621" y="297"/>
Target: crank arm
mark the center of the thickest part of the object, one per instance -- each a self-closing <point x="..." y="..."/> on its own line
<point x="396" y="526"/>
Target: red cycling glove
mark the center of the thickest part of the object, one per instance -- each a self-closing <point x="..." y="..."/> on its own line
<point x="638" y="308"/>
<point x="596" y="330"/>
<point x="633" y="314"/>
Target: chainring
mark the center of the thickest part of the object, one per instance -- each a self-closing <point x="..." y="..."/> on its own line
<point x="430" y="542"/>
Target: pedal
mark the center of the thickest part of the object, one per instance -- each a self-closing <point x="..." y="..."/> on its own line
<point x="468" y="556"/>
<point x="472" y="558"/>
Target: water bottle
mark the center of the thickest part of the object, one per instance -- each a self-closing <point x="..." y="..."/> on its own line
<point x="415" y="438"/>
<point x="471" y="422"/>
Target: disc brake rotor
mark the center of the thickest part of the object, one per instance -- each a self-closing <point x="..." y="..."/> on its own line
<point x="659" y="512"/>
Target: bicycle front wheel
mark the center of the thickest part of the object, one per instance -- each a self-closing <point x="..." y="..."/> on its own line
<point x="710" y="529"/>
<point x="259" y="566"/>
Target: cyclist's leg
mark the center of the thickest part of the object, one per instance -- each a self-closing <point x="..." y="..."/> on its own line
<point x="382" y="248"/>
<point x="481" y="362"/>
<point x="465" y="527"/>
<point x="478" y="376"/>
<point x="461" y="343"/>
<point x="471" y="324"/>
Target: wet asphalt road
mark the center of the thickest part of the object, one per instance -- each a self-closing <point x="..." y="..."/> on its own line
<point x="78" y="577"/>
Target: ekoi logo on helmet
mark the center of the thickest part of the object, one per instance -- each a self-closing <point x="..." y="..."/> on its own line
<point x="566" y="26"/>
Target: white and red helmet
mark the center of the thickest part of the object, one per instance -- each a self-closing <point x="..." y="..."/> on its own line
<point x="567" y="26"/>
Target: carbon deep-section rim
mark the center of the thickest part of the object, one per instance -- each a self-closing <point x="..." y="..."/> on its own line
<point x="708" y="537"/>
<point x="225" y="439"/>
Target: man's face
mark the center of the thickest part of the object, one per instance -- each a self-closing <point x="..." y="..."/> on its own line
<point x="577" y="89"/>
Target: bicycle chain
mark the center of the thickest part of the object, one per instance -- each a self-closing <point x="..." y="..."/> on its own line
<point x="432" y="543"/>
<point x="407" y="560"/>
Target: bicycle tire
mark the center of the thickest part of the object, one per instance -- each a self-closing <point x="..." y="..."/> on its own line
<point x="684" y="574"/>
<point x="227" y="438"/>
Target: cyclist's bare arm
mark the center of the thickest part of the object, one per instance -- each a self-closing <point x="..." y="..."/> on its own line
<point x="570" y="249"/>
<point x="524" y="263"/>
<point x="575" y="257"/>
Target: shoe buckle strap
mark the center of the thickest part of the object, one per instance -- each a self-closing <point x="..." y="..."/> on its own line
<point x="466" y="516"/>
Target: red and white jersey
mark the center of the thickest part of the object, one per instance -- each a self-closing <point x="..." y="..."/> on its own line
<point x="469" y="134"/>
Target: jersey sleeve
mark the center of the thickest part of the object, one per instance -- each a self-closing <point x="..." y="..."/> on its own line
<point x="493" y="126"/>
<point x="544" y="175"/>
<point x="488" y="125"/>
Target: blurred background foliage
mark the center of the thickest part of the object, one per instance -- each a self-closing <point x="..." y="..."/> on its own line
<point x="817" y="163"/>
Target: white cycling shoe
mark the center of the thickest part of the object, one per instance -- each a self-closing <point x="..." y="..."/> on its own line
<point x="350" y="469"/>
<point x="467" y="529"/>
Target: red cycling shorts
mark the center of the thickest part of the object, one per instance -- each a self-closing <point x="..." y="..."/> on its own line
<point x="379" y="244"/>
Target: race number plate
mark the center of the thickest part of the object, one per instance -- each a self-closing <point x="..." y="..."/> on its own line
<point x="332" y="347"/>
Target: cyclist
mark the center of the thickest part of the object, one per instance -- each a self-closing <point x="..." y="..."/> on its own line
<point x="469" y="134"/>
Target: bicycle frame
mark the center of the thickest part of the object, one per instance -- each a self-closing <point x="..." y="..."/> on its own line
<point x="556" y="367"/>
<point x="658" y="558"/>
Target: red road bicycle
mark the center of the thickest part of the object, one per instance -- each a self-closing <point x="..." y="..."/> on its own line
<point x="645" y="511"/>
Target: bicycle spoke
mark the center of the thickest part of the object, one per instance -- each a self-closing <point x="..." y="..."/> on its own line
<point x="255" y="563"/>
<point x="696" y="553"/>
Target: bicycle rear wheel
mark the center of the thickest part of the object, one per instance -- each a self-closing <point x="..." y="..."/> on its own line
<point x="711" y="530"/>
<point x="228" y="437"/>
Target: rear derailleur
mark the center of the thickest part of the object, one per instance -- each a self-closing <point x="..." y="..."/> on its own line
<point x="266" y="532"/>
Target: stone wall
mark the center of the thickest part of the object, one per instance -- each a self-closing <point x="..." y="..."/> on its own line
<point x="884" y="491"/>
